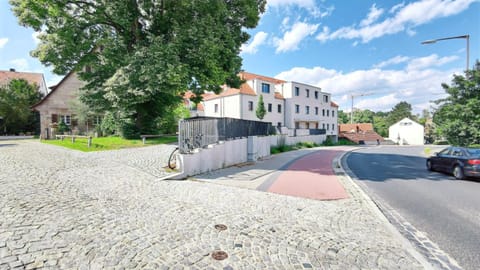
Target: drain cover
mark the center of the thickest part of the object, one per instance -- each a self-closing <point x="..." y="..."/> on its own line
<point x="219" y="255"/>
<point x="220" y="227"/>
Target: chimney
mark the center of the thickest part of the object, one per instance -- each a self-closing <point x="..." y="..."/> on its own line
<point x="12" y="69"/>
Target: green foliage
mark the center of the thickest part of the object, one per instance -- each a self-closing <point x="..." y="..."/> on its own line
<point x="328" y="142"/>
<point x="16" y="99"/>
<point x="129" y="130"/>
<point x="457" y="117"/>
<point x="363" y="116"/>
<point x="142" y="54"/>
<point x="169" y="123"/>
<point x="380" y="125"/>
<point x="260" y="111"/>
<point x="62" y="127"/>
<point x="108" y="126"/>
<point x="343" y="118"/>
<point x="400" y="111"/>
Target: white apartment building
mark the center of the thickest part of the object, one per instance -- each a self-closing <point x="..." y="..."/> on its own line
<point x="288" y="104"/>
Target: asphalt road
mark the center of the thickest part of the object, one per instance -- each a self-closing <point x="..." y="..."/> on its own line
<point x="445" y="209"/>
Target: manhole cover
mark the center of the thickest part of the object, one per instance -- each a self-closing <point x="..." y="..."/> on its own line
<point x="220" y="227"/>
<point x="219" y="255"/>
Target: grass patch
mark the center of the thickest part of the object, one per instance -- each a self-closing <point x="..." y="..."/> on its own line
<point x="427" y="151"/>
<point x="108" y="143"/>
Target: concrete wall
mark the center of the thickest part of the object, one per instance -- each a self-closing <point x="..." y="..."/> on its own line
<point x="235" y="152"/>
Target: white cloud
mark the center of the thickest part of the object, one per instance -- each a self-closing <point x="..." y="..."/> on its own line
<point x="392" y="61"/>
<point x="35" y="37"/>
<point x="3" y="41"/>
<point x="396" y="7"/>
<point x="403" y="19"/>
<point x="252" y="47"/>
<point x="292" y="38"/>
<point x="20" y="64"/>
<point x="430" y="61"/>
<point x="372" y="16"/>
<point x="418" y="83"/>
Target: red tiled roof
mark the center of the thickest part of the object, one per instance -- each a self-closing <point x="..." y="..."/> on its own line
<point x="36" y="78"/>
<point x="245" y="89"/>
<point x="333" y="104"/>
<point x="278" y="95"/>
<point x="353" y="127"/>
<point x="368" y="136"/>
<point x="250" y="76"/>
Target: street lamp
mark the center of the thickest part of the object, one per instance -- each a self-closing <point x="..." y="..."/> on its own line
<point x="467" y="37"/>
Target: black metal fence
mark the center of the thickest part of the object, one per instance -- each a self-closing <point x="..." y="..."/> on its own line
<point x="198" y="132"/>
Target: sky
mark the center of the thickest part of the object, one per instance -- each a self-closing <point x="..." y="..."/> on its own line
<point x="367" y="49"/>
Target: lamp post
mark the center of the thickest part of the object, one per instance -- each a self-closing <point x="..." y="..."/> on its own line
<point x="467" y="37"/>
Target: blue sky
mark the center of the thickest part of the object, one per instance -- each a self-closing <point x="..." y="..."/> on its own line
<point x="344" y="47"/>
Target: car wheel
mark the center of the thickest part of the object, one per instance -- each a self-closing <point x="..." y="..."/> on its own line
<point x="429" y="165"/>
<point x="458" y="173"/>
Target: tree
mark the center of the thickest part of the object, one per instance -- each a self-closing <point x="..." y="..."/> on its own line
<point x="400" y="111"/>
<point x="363" y="116"/>
<point x="260" y="111"/>
<point x="343" y="118"/>
<point x="137" y="56"/>
<point x="457" y="117"/>
<point x="380" y="125"/>
<point x="16" y="98"/>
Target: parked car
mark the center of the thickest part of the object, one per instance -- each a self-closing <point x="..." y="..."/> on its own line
<point x="460" y="161"/>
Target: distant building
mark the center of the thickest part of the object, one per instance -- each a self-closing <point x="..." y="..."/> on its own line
<point x="361" y="133"/>
<point x="406" y="131"/>
<point x="30" y="77"/>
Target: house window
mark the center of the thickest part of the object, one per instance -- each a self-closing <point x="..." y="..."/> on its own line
<point x="269" y="107"/>
<point x="279" y="108"/>
<point x="279" y="124"/>
<point x="316" y="110"/>
<point x="67" y="119"/>
<point x="308" y="92"/>
<point x="297" y="108"/>
<point x="216" y="108"/>
<point x="297" y="91"/>
<point x="333" y="113"/>
<point x="323" y="125"/>
<point x="316" y="94"/>
<point x="97" y="120"/>
<point x="297" y="124"/>
<point x="328" y="112"/>
<point x="265" y="88"/>
<point x="323" y="112"/>
<point x="250" y="105"/>
<point x="333" y="126"/>
<point x="307" y="109"/>
<point x="325" y="98"/>
<point x="327" y="126"/>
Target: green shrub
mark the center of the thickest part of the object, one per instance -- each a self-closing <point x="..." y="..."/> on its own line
<point x="62" y="127"/>
<point x="128" y="130"/>
<point x="328" y="142"/>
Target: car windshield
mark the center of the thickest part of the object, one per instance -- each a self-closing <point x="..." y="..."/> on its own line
<point x="474" y="151"/>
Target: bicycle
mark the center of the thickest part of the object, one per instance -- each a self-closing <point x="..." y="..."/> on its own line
<point x="172" y="160"/>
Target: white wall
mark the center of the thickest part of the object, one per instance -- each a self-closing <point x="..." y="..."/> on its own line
<point x="407" y="132"/>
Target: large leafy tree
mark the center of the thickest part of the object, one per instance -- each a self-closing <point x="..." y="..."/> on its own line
<point x="458" y="116"/>
<point x="16" y="98"/>
<point x="138" y="55"/>
<point x="401" y="110"/>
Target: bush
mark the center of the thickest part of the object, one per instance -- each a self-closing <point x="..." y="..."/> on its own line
<point x="62" y="127"/>
<point x="328" y="142"/>
<point x="128" y="130"/>
<point x="108" y="125"/>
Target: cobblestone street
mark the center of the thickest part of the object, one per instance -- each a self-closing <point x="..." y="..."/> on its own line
<point x="63" y="209"/>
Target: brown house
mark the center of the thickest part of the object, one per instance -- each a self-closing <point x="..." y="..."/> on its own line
<point x="361" y="133"/>
<point x="57" y="107"/>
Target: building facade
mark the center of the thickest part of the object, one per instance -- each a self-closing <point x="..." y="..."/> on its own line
<point x="406" y="132"/>
<point x="288" y="104"/>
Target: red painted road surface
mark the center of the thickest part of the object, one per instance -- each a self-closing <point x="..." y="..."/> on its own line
<point x="311" y="176"/>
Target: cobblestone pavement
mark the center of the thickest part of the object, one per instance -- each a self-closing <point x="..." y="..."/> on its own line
<point x="62" y="209"/>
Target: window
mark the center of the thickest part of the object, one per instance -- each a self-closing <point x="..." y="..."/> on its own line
<point x="316" y="110"/>
<point x="308" y="92"/>
<point x="297" y="124"/>
<point x="328" y="112"/>
<point x="269" y="107"/>
<point x="279" y="108"/>
<point x="97" y="120"/>
<point x="250" y="105"/>
<point x="333" y="113"/>
<point x="216" y="108"/>
<point x="333" y="126"/>
<point x="307" y="109"/>
<point x="279" y="124"/>
<point x="316" y="94"/>
<point x="265" y="88"/>
<point x="328" y="126"/>
<point x="67" y="119"/>
<point x="297" y="108"/>
<point x="297" y="91"/>
<point x="323" y="112"/>
<point x="325" y="98"/>
<point x="323" y="125"/>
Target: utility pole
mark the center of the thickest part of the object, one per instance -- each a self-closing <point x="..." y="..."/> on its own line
<point x="353" y="96"/>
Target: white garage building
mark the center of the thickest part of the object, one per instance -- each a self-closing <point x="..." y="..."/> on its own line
<point x="406" y="131"/>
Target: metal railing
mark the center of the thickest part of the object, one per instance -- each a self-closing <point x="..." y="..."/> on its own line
<point x="199" y="132"/>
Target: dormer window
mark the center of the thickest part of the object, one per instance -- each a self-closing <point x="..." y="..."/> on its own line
<point x="265" y="88"/>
